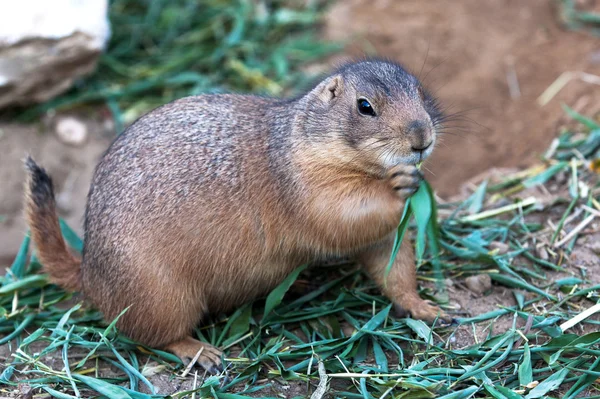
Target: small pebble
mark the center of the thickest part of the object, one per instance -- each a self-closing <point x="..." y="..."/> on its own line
<point x="594" y="246"/>
<point x="542" y="253"/>
<point x="479" y="284"/>
<point x="26" y="391"/>
<point x="500" y="246"/>
<point x="64" y="202"/>
<point x="561" y="177"/>
<point x="108" y="125"/>
<point x="71" y="131"/>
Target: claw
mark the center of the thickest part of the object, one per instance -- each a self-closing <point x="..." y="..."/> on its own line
<point x="206" y="355"/>
<point x="400" y="312"/>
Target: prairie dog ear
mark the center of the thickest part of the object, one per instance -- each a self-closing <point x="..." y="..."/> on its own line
<point x="331" y="88"/>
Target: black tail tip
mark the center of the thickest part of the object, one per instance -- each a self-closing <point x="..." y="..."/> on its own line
<point x="30" y="164"/>
<point x="41" y="188"/>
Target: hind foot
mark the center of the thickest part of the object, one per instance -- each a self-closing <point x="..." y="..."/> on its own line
<point x="188" y="348"/>
<point x="421" y="309"/>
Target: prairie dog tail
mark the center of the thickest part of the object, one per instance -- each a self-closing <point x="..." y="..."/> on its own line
<point x="40" y="212"/>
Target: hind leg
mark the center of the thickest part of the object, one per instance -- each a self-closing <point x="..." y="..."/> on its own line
<point x="171" y="330"/>
<point x="160" y="316"/>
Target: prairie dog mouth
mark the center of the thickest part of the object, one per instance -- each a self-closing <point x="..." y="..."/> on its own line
<point x="388" y="160"/>
<point x="391" y="160"/>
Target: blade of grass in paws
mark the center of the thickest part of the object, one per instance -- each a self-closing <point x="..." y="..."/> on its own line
<point x="421" y="207"/>
<point x="399" y="236"/>
<point x="433" y="241"/>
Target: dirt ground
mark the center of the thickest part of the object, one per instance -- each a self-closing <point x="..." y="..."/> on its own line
<point x="70" y="167"/>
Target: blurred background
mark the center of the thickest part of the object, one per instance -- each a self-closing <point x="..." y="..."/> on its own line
<point x="74" y="74"/>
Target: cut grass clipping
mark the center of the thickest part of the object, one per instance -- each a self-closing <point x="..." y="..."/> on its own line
<point x="343" y="326"/>
<point x="574" y="15"/>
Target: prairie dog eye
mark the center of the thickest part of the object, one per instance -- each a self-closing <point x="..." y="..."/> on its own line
<point x="365" y="107"/>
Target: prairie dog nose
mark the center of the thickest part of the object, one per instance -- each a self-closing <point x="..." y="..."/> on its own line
<point x="419" y="134"/>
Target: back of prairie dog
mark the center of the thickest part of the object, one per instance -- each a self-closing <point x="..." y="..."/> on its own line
<point x="210" y="201"/>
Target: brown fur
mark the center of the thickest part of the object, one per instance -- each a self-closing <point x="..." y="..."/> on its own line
<point x="210" y="201"/>
<point x="40" y="212"/>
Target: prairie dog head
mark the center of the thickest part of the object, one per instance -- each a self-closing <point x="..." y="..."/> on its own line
<point x="378" y="111"/>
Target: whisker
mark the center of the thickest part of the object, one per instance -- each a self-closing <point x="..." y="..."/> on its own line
<point x="427" y="169"/>
<point x="433" y="68"/>
<point x="424" y="61"/>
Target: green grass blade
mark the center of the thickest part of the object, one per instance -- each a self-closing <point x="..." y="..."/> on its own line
<point x="546" y="175"/>
<point x="549" y="384"/>
<point x="525" y="371"/>
<point x="70" y="236"/>
<point x="19" y="329"/>
<point x="421" y="208"/>
<point x="18" y="266"/>
<point x="103" y="387"/>
<point x="476" y="200"/>
<point x="400" y="232"/>
<point x="421" y="329"/>
<point x="590" y="123"/>
<point x="276" y="296"/>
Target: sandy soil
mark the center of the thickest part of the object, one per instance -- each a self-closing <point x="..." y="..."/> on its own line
<point x="70" y="167"/>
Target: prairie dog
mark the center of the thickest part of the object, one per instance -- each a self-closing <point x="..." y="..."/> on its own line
<point x="210" y="201"/>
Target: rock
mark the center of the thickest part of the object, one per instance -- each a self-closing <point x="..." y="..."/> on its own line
<point x="479" y="284"/>
<point x="561" y="177"/>
<point x="71" y="131"/>
<point x="500" y="246"/>
<point x="26" y="391"/>
<point x="594" y="246"/>
<point x="46" y="45"/>
<point x="542" y="253"/>
<point x="64" y="202"/>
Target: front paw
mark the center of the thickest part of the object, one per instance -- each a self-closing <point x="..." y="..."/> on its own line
<point x="405" y="180"/>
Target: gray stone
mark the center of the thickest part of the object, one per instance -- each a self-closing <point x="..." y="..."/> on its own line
<point x="479" y="284"/>
<point x="71" y="131"/>
<point x="46" y="45"/>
